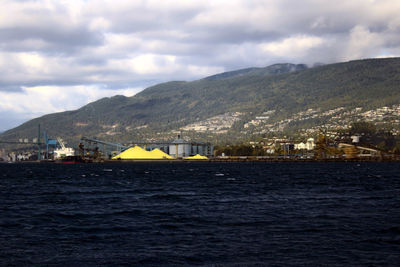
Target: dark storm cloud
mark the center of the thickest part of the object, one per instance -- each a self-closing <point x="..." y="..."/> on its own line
<point x="97" y="42"/>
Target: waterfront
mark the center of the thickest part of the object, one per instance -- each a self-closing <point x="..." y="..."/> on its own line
<point x="175" y="213"/>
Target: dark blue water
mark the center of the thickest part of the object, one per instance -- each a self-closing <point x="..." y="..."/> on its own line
<point x="200" y="214"/>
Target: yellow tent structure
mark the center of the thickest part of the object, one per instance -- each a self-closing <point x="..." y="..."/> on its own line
<point x="197" y="156"/>
<point x="137" y="152"/>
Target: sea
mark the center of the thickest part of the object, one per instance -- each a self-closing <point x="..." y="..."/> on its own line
<point x="200" y="213"/>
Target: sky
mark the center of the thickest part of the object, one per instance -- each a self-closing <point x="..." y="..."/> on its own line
<point x="58" y="55"/>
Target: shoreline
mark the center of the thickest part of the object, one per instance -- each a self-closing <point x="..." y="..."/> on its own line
<point x="213" y="160"/>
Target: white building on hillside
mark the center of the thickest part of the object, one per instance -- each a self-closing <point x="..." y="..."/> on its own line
<point x="310" y="144"/>
<point x="300" y="146"/>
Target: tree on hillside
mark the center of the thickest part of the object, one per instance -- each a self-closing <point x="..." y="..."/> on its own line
<point x="363" y="128"/>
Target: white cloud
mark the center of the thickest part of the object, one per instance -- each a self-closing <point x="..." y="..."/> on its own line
<point x="79" y="48"/>
<point x="39" y="100"/>
<point x="296" y="46"/>
<point x="363" y="42"/>
<point x="150" y="63"/>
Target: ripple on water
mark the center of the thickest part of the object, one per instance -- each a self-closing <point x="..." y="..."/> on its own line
<point x="209" y="213"/>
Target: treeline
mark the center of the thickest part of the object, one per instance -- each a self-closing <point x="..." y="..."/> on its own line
<point x="371" y="135"/>
<point x="240" y="150"/>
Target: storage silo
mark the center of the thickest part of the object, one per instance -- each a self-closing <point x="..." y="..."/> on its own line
<point x="180" y="148"/>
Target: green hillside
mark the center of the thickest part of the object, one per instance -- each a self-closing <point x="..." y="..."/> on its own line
<point x="286" y="88"/>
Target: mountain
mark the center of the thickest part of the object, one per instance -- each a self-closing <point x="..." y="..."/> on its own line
<point x="162" y="110"/>
<point x="274" y="69"/>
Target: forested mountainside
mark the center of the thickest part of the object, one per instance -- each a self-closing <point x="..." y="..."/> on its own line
<point x="285" y="89"/>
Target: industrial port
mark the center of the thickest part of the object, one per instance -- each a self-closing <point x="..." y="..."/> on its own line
<point x="44" y="148"/>
<point x="47" y="149"/>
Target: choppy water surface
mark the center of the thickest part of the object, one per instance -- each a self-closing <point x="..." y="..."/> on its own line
<point x="200" y="213"/>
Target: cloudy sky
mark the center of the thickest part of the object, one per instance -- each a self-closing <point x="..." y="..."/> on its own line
<point x="58" y="55"/>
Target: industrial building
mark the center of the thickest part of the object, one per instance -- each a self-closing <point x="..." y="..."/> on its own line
<point x="178" y="148"/>
<point x="181" y="148"/>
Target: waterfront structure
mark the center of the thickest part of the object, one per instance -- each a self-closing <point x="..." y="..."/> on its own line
<point x="178" y="148"/>
<point x="360" y="152"/>
<point x="137" y="152"/>
<point x="181" y="148"/>
<point x="63" y="151"/>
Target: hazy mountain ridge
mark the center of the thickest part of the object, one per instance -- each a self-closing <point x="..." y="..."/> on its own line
<point x="287" y="88"/>
<point x="270" y="70"/>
